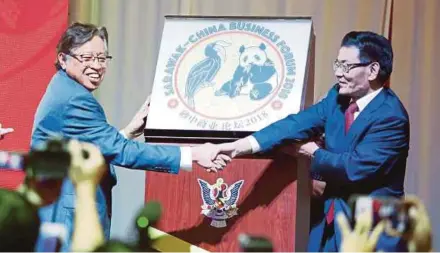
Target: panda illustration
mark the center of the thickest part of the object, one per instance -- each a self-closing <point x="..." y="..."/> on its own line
<point x="254" y="76"/>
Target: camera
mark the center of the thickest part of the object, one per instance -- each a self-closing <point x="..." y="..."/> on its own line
<point x="49" y="161"/>
<point x="393" y="210"/>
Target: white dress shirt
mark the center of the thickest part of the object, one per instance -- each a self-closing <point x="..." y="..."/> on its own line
<point x="365" y="100"/>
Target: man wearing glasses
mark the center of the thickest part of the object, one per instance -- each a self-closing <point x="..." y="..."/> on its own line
<point x="69" y="108"/>
<point x="366" y="131"/>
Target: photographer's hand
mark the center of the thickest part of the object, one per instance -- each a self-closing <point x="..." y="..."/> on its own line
<point x="420" y="236"/>
<point x="87" y="169"/>
<point x="359" y="239"/>
<point x="87" y="164"/>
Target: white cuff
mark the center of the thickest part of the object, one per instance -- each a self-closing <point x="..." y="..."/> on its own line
<point x="254" y="144"/>
<point x="123" y="134"/>
<point x="186" y="158"/>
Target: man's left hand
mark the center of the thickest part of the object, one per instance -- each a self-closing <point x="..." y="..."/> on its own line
<point x="307" y="149"/>
<point x="137" y="125"/>
<point x="318" y="188"/>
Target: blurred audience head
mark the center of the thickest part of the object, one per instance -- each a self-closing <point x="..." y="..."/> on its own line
<point x="19" y="222"/>
<point x="147" y="217"/>
<point x="419" y="238"/>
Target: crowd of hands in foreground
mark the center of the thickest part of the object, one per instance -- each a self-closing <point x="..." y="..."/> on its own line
<point x="86" y="173"/>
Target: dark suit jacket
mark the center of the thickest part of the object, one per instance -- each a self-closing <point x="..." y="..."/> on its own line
<point x="369" y="160"/>
<point x="69" y="109"/>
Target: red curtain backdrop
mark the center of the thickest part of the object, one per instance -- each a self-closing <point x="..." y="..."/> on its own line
<point x="29" y="32"/>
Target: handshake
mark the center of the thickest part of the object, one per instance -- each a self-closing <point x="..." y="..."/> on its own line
<point x="214" y="157"/>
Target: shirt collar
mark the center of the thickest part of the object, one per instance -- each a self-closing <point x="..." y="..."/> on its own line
<point x="365" y="100"/>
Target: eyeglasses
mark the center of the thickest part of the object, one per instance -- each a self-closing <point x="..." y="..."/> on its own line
<point x="346" y="67"/>
<point x="88" y="59"/>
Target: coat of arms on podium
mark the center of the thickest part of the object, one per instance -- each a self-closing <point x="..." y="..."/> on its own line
<point x="219" y="200"/>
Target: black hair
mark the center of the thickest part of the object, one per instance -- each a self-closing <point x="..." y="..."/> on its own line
<point x="372" y="48"/>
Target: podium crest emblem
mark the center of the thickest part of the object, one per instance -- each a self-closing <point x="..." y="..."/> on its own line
<point x="219" y="200"/>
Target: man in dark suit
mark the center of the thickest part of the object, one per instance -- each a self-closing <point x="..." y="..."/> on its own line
<point x="69" y="108"/>
<point x="366" y="131"/>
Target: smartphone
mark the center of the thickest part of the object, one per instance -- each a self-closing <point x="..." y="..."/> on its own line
<point x="381" y="208"/>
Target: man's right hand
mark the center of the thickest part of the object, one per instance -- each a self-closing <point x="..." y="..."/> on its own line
<point x="236" y="148"/>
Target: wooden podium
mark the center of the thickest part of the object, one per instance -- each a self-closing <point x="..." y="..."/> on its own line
<point x="273" y="200"/>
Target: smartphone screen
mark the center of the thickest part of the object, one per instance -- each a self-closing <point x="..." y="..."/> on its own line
<point x="362" y="204"/>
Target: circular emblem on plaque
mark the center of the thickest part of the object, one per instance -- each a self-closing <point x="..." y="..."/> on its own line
<point x="229" y="75"/>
